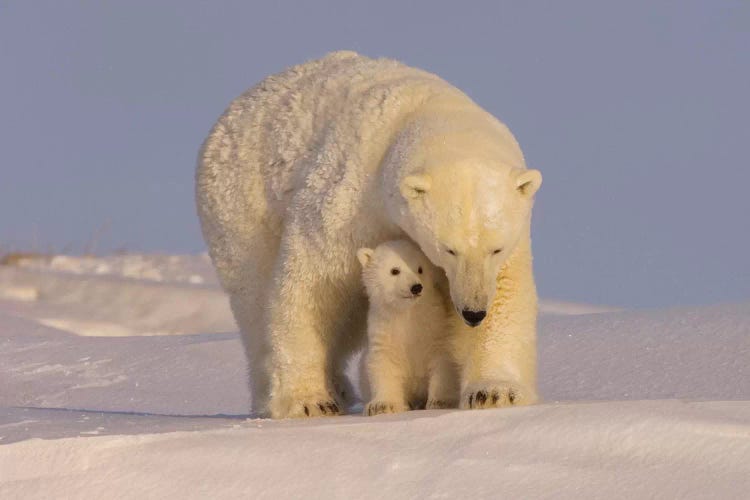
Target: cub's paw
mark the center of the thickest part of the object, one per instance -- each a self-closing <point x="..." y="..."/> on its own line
<point x="441" y="404"/>
<point x="496" y="394"/>
<point x="301" y="408"/>
<point x="377" y="407"/>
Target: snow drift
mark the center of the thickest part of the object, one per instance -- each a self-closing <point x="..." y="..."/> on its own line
<point x="118" y="385"/>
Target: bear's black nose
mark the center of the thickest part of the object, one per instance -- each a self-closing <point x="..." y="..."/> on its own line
<point x="473" y="318"/>
<point x="416" y="289"/>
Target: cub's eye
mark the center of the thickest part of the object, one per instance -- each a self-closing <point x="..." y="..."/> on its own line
<point x="419" y="270"/>
<point x="497" y="251"/>
<point x="452" y="252"/>
<point x="395" y="271"/>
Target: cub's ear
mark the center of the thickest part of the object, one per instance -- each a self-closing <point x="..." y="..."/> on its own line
<point x="364" y="255"/>
<point x="528" y="181"/>
<point x="415" y="186"/>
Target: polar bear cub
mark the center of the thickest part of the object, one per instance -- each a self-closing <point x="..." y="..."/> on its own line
<point x="407" y="363"/>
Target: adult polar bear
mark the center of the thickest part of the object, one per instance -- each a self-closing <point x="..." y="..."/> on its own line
<point x="345" y="152"/>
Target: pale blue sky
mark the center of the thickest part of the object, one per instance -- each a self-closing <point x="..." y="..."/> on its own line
<point x="636" y="112"/>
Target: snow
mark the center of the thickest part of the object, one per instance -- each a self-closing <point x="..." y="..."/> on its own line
<point x="115" y="305"/>
<point x="123" y="377"/>
<point x="620" y="449"/>
<point x="194" y="269"/>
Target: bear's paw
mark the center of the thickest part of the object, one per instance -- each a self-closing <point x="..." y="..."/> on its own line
<point x="378" y="407"/>
<point x="496" y="394"/>
<point x="440" y="404"/>
<point x="314" y="407"/>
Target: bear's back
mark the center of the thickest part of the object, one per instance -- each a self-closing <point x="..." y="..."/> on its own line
<point x="342" y="98"/>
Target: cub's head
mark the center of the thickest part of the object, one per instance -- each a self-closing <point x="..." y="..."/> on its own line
<point x="468" y="218"/>
<point x="396" y="273"/>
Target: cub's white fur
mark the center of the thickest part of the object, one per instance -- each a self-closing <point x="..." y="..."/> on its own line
<point x="407" y="363"/>
<point x="345" y="152"/>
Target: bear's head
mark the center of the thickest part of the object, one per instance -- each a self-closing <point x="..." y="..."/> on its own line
<point x="396" y="273"/>
<point x="466" y="200"/>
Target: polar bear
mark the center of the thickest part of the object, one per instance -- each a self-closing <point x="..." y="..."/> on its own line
<point x="341" y="153"/>
<point x="407" y="362"/>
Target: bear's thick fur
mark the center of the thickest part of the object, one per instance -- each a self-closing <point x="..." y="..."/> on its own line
<point x="345" y="152"/>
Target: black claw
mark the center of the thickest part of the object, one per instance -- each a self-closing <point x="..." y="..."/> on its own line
<point x="481" y="397"/>
<point x="511" y="396"/>
<point x="471" y="400"/>
<point x="333" y="407"/>
<point x="439" y="404"/>
<point x="307" y="411"/>
<point x="322" y="408"/>
<point x="495" y="397"/>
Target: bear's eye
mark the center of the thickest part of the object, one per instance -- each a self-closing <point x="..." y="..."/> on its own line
<point x="452" y="252"/>
<point x="395" y="271"/>
<point x="497" y="251"/>
<point x="419" y="270"/>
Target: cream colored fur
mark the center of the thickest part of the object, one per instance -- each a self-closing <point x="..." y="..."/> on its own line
<point x="408" y="362"/>
<point x="346" y="152"/>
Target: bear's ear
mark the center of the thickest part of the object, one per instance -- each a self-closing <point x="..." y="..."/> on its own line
<point x="364" y="255"/>
<point x="528" y="181"/>
<point x="415" y="186"/>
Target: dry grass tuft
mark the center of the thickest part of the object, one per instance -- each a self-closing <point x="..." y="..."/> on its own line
<point x="19" y="258"/>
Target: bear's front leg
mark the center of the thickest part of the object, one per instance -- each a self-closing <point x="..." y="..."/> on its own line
<point x="499" y="356"/>
<point x="498" y="373"/>
<point x="302" y="312"/>
<point x="386" y="377"/>
<point x="443" y="388"/>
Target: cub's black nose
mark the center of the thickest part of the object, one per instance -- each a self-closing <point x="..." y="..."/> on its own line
<point x="473" y="318"/>
<point x="416" y="289"/>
